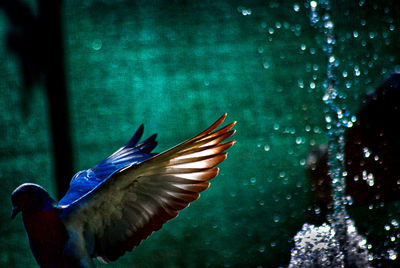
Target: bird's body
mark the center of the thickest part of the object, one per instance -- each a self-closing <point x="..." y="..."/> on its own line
<point x="110" y="208"/>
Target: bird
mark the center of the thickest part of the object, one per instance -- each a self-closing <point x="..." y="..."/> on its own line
<point x="110" y="208"/>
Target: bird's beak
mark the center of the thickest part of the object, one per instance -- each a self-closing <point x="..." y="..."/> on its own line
<point x="15" y="211"/>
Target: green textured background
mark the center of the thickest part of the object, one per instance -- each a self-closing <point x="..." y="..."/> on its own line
<point x="176" y="66"/>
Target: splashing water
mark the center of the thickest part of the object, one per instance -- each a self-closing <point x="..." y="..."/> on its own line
<point x="319" y="247"/>
<point x="336" y="119"/>
<point x="337" y="244"/>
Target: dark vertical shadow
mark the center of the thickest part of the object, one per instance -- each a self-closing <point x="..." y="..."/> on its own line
<point x="55" y="84"/>
<point x="38" y="42"/>
<point x="22" y="39"/>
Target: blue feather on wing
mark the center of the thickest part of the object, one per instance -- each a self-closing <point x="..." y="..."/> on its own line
<point x="131" y="154"/>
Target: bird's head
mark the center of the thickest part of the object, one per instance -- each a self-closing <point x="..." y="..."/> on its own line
<point x="29" y="197"/>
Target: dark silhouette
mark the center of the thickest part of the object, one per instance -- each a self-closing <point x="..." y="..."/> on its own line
<point x="37" y="41"/>
<point x="371" y="150"/>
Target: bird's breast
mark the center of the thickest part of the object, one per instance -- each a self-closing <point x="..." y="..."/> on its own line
<point x="47" y="235"/>
<point x="44" y="226"/>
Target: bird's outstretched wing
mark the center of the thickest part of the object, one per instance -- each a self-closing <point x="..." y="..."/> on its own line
<point x="132" y="153"/>
<point x="139" y="199"/>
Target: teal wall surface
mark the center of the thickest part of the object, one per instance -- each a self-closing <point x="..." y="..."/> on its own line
<point x="176" y="66"/>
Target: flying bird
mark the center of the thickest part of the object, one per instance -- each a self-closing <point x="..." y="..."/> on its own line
<point x="110" y="208"/>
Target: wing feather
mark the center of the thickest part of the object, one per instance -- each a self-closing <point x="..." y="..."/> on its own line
<point x="139" y="198"/>
<point x="87" y="180"/>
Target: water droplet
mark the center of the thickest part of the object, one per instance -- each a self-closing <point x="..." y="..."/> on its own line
<point x="303" y="47"/>
<point x="313" y="4"/>
<point x="97" y="44"/>
<point x="286" y="25"/>
<point x="300" y="83"/>
<point x="244" y="11"/>
<point x="394" y="223"/>
<point x="367" y="153"/>
<point x="267" y="148"/>
<point x="276" y="218"/>
<point x="328" y="24"/>
<point x="312" y="85"/>
<point x="387" y="227"/>
<point x="317" y="210"/>
<point x="261" y="248"/>
<point x="263" y="25"/>
<point x="357" y="70"/>
<point x="317" y="130"/>
<point x="339" y="114"/>
<point x="371" y="35"/>
<point x="349" y="200"/>
<point x="392" y="254"/>
<point x="330" y="40"/>
<point x="296" y="7"/>
<point x="328" y="119"/>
